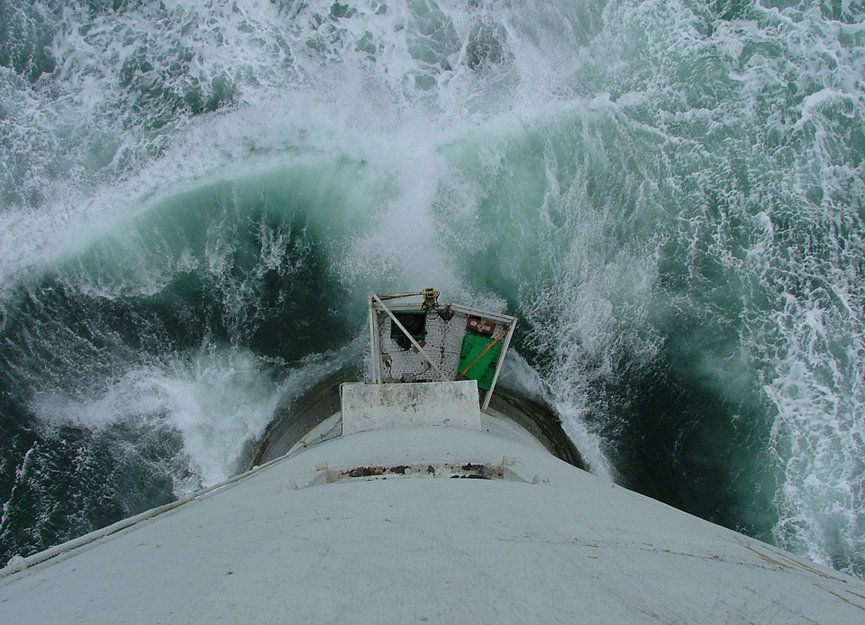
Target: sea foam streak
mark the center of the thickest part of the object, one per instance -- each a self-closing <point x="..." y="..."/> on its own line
<point x="669" y="194"/>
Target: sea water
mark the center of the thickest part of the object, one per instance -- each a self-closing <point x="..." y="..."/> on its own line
<point x="196" y="198"/>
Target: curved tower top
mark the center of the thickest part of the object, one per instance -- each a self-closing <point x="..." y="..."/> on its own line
<point x="412" y="505"/>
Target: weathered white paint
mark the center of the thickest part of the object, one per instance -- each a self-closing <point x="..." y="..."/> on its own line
<point x="548" y="543"/>
<point x="374" y="406"/>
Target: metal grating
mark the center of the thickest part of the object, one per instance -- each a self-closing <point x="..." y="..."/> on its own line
<point x="443" y="344"/>
<point x="434" y="354"/>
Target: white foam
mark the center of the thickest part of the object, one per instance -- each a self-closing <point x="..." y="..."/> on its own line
<point x="654" y="124"/>
<point x="219" y="400"/>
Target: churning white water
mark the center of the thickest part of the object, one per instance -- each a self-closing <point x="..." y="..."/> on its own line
<point x="196" y="198"/>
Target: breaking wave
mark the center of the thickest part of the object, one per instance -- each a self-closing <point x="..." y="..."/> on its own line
<point x="196" y="197"/>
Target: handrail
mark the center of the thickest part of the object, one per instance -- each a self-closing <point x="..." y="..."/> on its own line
<point x="483" y="353"/>
<point x="409" y="336"/>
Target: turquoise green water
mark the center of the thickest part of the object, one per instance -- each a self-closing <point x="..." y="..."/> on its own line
<point x="196" y="201"/>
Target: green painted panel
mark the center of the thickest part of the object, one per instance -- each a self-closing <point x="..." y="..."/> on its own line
<point x="484" y="369"/>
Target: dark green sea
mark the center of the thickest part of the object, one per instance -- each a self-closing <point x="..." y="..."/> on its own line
<point x="197" y="197"/>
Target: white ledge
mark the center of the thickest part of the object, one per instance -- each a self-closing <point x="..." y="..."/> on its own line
<point x="375" y="406"/>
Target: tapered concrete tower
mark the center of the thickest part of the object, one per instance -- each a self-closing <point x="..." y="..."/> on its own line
<point x="416" y="502"/>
